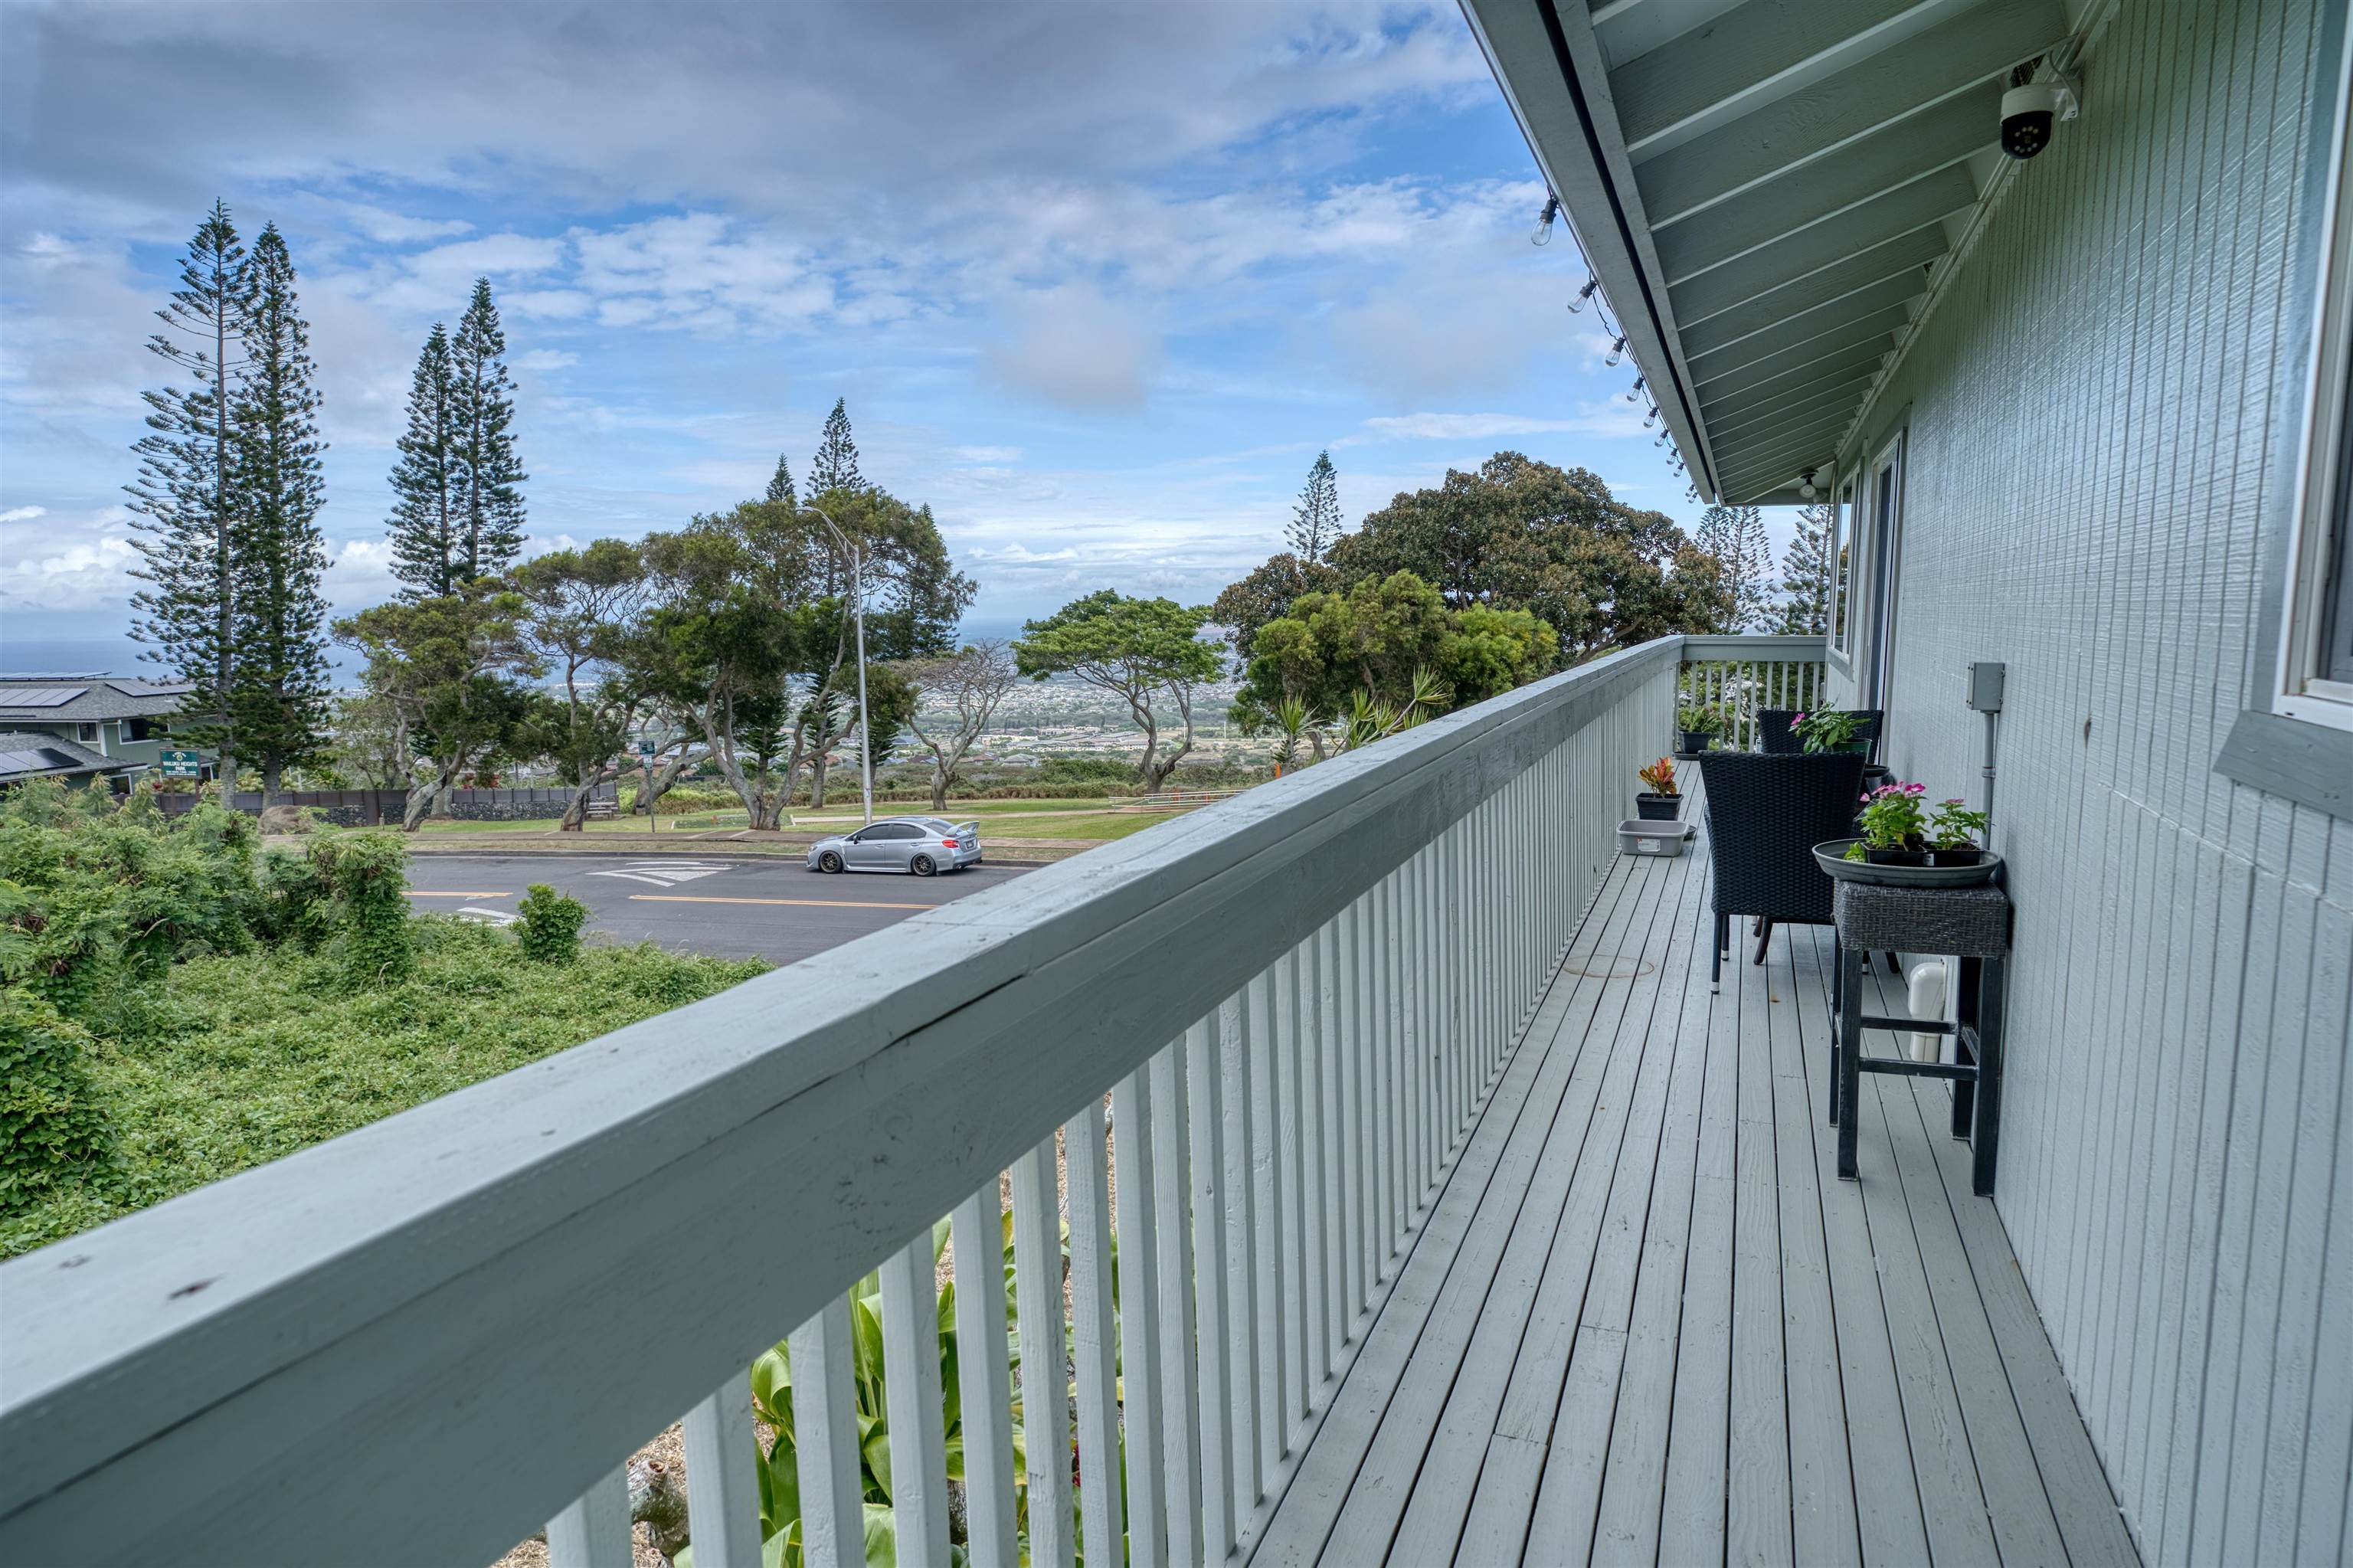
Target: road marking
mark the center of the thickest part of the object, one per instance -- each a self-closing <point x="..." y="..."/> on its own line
<point x="487" y="917"/>
<point x="434" y="892"/>
<point x="807" y="902"/>
<point x="667" y="874"/>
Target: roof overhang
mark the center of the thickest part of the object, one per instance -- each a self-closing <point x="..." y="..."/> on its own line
<point x="1764" y="190"/>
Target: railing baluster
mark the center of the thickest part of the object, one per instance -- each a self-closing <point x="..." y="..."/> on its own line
<point x="1393" y="1207"/>
<point x="1213" y="1338"/>
<point x="1045" y="1384"/>
<point x="911" y="1358"/>
<point x="1139" y="1322"/>
<point x="1306" y="970"/>
<point x="1266" y="1207"/>
<point x="1241" y="1293"/>
<point x="1335" y="1139"/>
<point x="722" y="1477"/>
<point x="1291" y="1283"/>
<point x="985" y="1379"/>
<point x="1095" y="1338"/>
<point x="593" y="1532"/>
<point x="826" y="1443"/>
<point x="1181" y="1414"/>
<point x="1352" y="1128"/>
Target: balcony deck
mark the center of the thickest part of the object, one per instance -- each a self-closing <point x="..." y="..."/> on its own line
<point x="1644" y="1322"/>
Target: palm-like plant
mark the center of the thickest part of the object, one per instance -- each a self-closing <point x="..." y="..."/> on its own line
<point x="1370" y="719"/>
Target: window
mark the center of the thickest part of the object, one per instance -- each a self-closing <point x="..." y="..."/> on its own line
<point x="2315" y="673"/>
<point x="87" y="730"/>
<point x="1841" y="548"/>
<point x="1886" y="503"/>
<point x="144" y="728"/>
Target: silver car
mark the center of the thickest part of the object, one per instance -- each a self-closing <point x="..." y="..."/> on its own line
<point x="918" y="845"/>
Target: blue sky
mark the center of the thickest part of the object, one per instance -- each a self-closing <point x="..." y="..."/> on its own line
<point x="1097" y="282"/>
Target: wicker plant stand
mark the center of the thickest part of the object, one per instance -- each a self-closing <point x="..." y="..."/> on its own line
<point x="1969" y="923"/>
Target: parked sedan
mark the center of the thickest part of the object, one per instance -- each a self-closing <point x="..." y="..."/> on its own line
<point x="918" y="845"/>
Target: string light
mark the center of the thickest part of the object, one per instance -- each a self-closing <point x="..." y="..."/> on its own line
<point x="1652" y="418"/>
<point x="1636" y="395"/>
<point x="1578" y="304"/>
<point x="1543" y="235"/>
<point x="1617" y="353"/>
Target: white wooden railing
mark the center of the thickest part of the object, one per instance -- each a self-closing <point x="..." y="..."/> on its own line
<point x="418" y="1342"/>
<point x="1737" y="676"/>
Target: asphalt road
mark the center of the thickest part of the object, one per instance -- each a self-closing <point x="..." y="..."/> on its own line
<point x="736" y="909"/>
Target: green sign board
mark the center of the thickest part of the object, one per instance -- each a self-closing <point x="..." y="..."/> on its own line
<point x="646" y="748"/>
<point x="179" y="764"/>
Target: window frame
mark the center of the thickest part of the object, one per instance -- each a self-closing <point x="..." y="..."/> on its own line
<point x="2317" y="590"/>
<point x="1884" y="489"/>
<point x="1838" y="617"/>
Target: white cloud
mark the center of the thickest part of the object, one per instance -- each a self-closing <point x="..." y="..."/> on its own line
<point x="1494" y="427"/>
<point x="1073" y="347"/>
<point x="988" y="454"/>
<point x="545" y="359"/>
<point x="23" y="514"/>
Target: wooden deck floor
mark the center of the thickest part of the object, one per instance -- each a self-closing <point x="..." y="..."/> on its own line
<point x="1643" y="1322"/>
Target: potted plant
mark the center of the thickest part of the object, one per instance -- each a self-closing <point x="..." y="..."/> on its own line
<point x="1954" y="833"/>
<point x="1835" y="729"/>
<point x="1659" y="802"/>
<point x="1699" y="724"/>
<point x="1895" y="830"/>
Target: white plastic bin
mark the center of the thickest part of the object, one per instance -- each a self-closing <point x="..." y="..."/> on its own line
<point x="1636" y="836"/>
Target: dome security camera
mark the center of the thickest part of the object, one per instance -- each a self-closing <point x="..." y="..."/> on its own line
<point x="2028" y="112"/>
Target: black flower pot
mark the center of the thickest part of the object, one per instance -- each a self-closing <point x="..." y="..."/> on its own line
<point x="1657" y="808"/>
<point x="1894" y="856"/>
<point x="1696" y="741"/>
<point x="1971" y="855"/>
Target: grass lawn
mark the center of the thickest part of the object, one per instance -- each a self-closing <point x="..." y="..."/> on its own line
<point x="254" y="1056"/>
<point x="1104" y="825"/>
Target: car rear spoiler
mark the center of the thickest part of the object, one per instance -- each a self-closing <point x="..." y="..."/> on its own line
<point x="963" y="828"/>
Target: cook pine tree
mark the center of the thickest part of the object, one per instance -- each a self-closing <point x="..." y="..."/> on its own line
<point x="278" y="702"/>
<point x="835" y="466"/>
<point x="780" y="484"/>
<point x="187" y="494"/>
<point x="488" y="476"/>
<point x="1806" y="575"/>
<point x="425" y="513"/>
<point x="1735" y="535"/>
<point x="1315" y="521"/>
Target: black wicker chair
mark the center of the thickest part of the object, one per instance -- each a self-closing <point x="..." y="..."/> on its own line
<point x="1773" y="735"/>
<point x="1765" y="815"/>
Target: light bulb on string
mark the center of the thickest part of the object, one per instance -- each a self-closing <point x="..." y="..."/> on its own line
<point x="1578" y="304"/>
<point x="1636" y="395"/>
<point x="1617" y="353"/>
<point x="1543" y="235"/>
<point x="1652" y="418"/>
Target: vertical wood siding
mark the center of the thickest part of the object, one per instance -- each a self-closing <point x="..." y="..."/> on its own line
<point x="2087" y="464"/>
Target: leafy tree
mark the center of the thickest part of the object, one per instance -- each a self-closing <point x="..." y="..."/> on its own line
<point x="449" y="666"/>
<point x="277" y="705"/>
<point x="835" y="466"/>
<point x="1806" y="575"/>
<point x="547" y="925"/>
<point x="1524" y="535"/>
<point x="1138" y="650"/>
<point x="583" y="607"/>
<point x="1735" y="535"/>
<point x="1315" y="521"/>
<point x="780" y="483"/>
<point x="484" y="468"/>
<point x="425" y="526"/>
<point x="1267" y="594"/>
<point x="961" y="692"/>
<point x="189" y="490"/>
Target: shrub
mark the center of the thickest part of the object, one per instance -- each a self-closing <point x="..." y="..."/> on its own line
<point x="364" y="873"/>
<point x="53" y="1131"/>
<point x="548" y="927"/>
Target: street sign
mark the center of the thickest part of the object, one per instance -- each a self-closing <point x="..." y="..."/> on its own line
<point x="179" y="764"/>
<point x="645" y="748"/>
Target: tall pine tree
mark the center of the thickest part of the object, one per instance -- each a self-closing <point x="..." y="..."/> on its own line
<point x="780" y="484"/>
<point x="1735" y="535"/>
<point x="278" y="703"/>
<point x="486" y="470"/>
<point x="426" y="521"/>
<point x="835" y="466"/>
<point x="1806" y="575"/>
<point x="188" y="491"/>
<point x="1315" y="521"/>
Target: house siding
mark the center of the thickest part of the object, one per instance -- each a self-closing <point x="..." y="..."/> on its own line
<point x="2092" y="409"/>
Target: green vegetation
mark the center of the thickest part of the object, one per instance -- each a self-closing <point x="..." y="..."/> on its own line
<point x="547" y="926"/>
<point x="181" y="1005"/>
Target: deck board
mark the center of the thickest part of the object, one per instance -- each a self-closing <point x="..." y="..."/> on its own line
<point x="1643" y="1321"/>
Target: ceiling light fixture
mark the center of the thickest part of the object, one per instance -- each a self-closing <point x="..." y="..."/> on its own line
<point x="1806" y="487"/>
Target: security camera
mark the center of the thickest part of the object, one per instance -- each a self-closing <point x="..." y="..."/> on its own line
<point x="2027" y="113"/>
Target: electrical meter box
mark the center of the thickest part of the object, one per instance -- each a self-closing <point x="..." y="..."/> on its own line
<point x="1984" y="688"/>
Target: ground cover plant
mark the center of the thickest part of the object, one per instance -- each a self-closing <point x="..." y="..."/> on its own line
<point x="178" y="1005"/>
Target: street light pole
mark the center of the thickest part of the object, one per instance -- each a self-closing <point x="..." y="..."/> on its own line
<point x="858" y="610"/>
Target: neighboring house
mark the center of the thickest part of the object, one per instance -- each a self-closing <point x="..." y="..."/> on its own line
<point x="39" y="755"/>
<point x="126" y="723"/>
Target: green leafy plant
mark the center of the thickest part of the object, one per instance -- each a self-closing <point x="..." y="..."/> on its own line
<point x="1699" y="718"/>
<point x="1955" y="826"/>
<point x="1658" y="777"/>
<point x="547" y="925"/>
<point x="53" y="1131"/>
<point x="1892" y="818"/>
<point x="365" y="874"/>
<point x="1828" y="730"/>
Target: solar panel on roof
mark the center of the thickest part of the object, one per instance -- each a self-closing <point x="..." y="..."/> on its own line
<point x="24" y="762"/>
<point x="38" y="696"/>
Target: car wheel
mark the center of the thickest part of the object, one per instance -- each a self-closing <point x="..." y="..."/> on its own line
<point x="922" y="865"/>
<point x="829" y="862"/>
